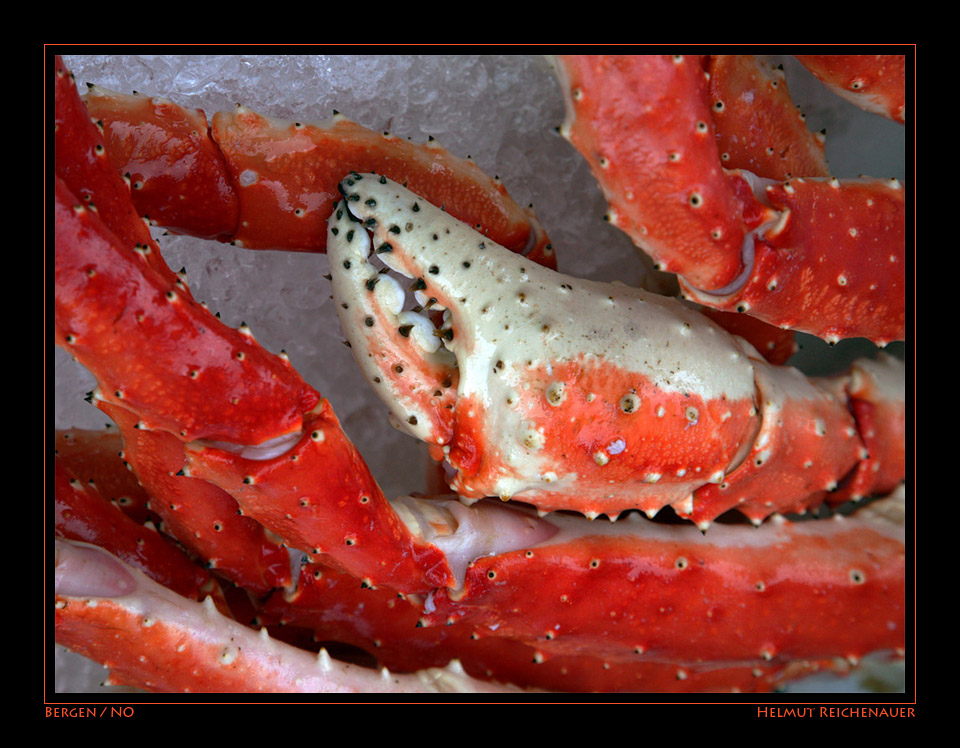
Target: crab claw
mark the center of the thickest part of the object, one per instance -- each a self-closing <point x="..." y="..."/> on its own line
<point x="544" y="386"/>
<point x="567" y="393"/>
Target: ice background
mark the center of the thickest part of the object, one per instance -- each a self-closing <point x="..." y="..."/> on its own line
<point x="501" y="110"/>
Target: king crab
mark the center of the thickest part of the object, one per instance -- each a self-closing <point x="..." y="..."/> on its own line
<point x="256" y="269"/>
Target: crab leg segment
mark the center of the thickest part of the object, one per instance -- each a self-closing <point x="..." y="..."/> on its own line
<point x="806" y="443"/>
<point x="268" y="183"/>
<point x="757" y="124"/>
<point x="154" y="639"/>
<point x="660" y="592"/>
<point x="320" y="497"/>
<point x="643" y="123"/>
<point x="877" y="395"/>
<point x="177" y="176"/>
<point x="202" y="517"/>
<point x="760" y="130"/>
<point x="201" y="379"/>
<point x="333" y="608"/>
<point x="82" y="163"/>
<point x="832" y="266"/>
<point x="95" y="457"/>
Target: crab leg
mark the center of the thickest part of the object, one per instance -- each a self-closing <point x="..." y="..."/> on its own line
<point x="267" y="183"/>
<point x="757" y="125"/>
<point x="796" y="590"/>
<point x="832" y="266"/>
<point x="81" y="162"/>
<point x="644" y="123"/>
<point x="333" y="608"/>
<point x="573" y="394"/>
<point x="109" y="272"/>
<point x="154" y="639"/>
<point x="759" y="130"/>
<point x="820" y="256"/>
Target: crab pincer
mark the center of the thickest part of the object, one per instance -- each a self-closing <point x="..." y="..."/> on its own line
<point x="530" y="346"/>
<point x="569" y="394"/>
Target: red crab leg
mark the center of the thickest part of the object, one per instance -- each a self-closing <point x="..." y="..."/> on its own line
<point x="757" y="124"/>
<point x="154" y="639"/>
<point x="81" y="161"/>
<point x="267" y="183"/>
<point x="177" y="175"/>
<point x="109" y="273"/>
<point x="644" y="125"/>
<point x="872" y="442"/>
<point x="823" y="257"/>
<point x="331" y="607"/>
<point x="284" y="457"/>
<point x="876" y="83"/>
<point x="796" y="590"/>
<point x="759" y="130"/>
<point x="834" y="265"/>
<point x="124" y="248"/>
<point x="568" y="387"/>
<point x="107" y="298"/>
